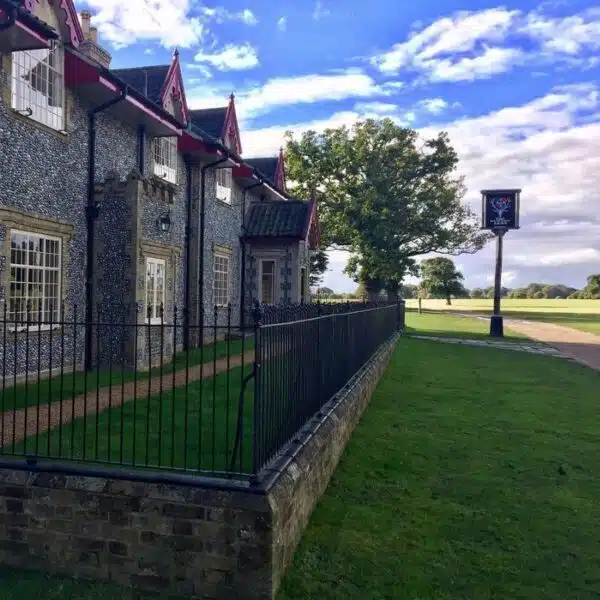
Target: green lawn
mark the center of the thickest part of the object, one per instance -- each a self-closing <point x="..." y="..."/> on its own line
<point x="449" y="325"/>
<point x="72" y="384"/>
<point x="191" y="428"/>
<point x="579" y="314"/>
<point x="473" y="475"/>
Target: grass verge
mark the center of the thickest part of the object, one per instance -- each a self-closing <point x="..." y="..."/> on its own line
<point x="449" y="325"/>
<point x="471" y="475"/>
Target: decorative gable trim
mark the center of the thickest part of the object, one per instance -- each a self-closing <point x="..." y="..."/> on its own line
<point x="280" y="171"/>
<point x="231" y="128"/>
<point x="312" y="233"/>
<point x="173" y="88"/>
<point x="71" y="20"/>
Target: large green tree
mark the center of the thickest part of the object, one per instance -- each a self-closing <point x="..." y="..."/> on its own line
<point x="385" y="194"/>
<point x="441" y="279"/>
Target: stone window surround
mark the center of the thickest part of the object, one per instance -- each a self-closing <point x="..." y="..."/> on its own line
<point x="171" y="254"/>
<point x="276" y="259"/>
<point x="15" y="219"/>
<point x="6" y="99"/>
<point x="225" y="252"/>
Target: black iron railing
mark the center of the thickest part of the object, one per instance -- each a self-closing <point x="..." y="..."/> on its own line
<point x="223" y="406"/>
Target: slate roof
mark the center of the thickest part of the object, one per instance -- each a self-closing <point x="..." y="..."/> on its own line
<point x="146" y="80"/>
<point x="278" y="218"/>
<point x="209" y="120"/>
<point x="267" y="166"/>
<point x="30" y="19"/>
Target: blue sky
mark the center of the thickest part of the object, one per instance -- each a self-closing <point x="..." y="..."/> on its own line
<point x="514" y="84"/>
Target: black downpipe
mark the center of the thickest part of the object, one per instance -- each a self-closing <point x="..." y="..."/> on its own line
<point x="12" y="17"/>
<point x="243" y="261"/>
<point x="142" y="149"/>
<point x="188" y="254"/>
<point x="92" y="213"/>
<point x="202" y="228"/>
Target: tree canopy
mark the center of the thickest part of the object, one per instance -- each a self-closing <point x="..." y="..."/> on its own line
<point x="385" y="194"/>
<point x="441" y="279"/>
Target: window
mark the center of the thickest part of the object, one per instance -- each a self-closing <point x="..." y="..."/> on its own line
<point x="165" y="158"/>
<point x="35" y="268"/>
<point x="38" y="85"/>
<point x="221" y="281"/>
<point x="224" y="185"/>
<point x="267" y="281"/>
<point x="155" y="288"/>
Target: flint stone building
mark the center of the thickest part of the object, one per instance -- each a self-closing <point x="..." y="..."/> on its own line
<point x="119" y="204"/>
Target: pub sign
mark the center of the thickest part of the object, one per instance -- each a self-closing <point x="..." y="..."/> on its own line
<point x="500" y="209"/>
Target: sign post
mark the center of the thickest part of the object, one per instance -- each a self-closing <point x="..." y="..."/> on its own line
<point x="500" y="213"/>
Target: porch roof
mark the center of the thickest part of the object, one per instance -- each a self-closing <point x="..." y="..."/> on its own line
<point x="284" y="218"/>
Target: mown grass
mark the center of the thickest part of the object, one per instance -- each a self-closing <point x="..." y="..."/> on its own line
<point x="471" y="475"/>
<point x="578" y="314"/>
<point x="68" y="385"/>
<point x="449" y="325"/>
<point x="192" y="428"/>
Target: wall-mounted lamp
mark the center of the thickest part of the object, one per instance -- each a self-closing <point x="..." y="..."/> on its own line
<point x="164" y="222"/>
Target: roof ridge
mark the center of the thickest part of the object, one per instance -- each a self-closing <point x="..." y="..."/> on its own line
<point x="141" y="68"/>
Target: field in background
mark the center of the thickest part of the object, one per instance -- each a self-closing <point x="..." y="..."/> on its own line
<point x="511" y="305"/>
<point x="578" y="314"/>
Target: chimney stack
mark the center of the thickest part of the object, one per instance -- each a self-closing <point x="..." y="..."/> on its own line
<point x="90" y="46"/>
<point x="86" y="17"/>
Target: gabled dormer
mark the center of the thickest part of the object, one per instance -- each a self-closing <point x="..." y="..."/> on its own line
<point x="272" y="168"/>
<point x="221" y="125"/>
<point x="162" y="85"/>
<point x="36" y="34"/>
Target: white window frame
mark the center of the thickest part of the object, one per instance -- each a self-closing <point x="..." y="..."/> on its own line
<point x="156" y="301"/>
<point x="164" y="154"/>
<point x="260" y="280"/>
<point x="43" y="270"/>
<point x="223" y="183"/>
<point x="34" y="102"/>
<point x="217" y="257"/>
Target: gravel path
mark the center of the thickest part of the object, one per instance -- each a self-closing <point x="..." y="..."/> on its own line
<point x="578" y="345"/>
<point x="24" y="422"/>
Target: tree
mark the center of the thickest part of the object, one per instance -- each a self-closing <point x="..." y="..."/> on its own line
<point x="325" y="291"/>
<point x="592" y="288"/>
<point x="441" y="279"/>
<point x="318" y="266"/>
<point x="384" y="194"/>
<point x="477" y="293"/>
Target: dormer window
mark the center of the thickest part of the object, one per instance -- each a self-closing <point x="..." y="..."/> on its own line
<point x="224" y="185"/>
<point x="38" y="85"/>
<point x="165" y="158"/>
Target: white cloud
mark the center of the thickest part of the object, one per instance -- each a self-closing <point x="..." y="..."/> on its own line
<point x="320" y="10"/>
<point x="474" y="45"/>
<point x="220" y="15"/>
<point x="149" y="51"/>
<point x="200" y="70"/>
<point x="231" y="58"/>
<point x="282" y="23"/>
<point x="378" y="108"/>
<point x="169" y="22"/>
<point x="305" y="89"/>
<point x="433" y="105"/>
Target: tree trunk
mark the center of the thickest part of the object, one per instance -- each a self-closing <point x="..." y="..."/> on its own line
<point x="448" y="301"/>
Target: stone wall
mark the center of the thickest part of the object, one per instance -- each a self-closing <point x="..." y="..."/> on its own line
<point x="187" y="538"/>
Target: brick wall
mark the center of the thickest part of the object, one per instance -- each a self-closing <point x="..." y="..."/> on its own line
<point x="186" y="540"/>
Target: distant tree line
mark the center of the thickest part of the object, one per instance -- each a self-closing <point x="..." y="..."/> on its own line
<point x="545" y="290"/>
